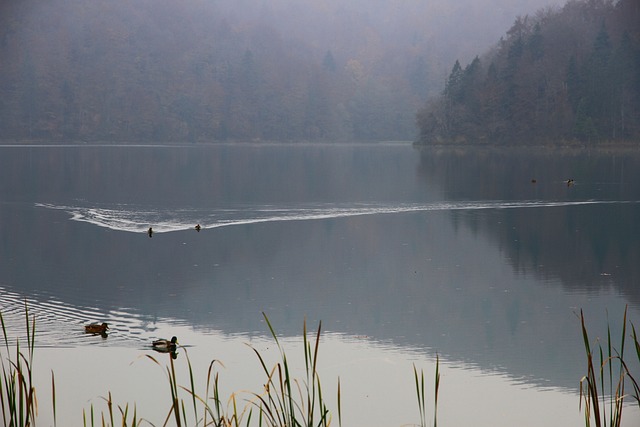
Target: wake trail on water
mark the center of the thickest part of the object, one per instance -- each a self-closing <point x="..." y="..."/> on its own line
<point x="131" y="218"/>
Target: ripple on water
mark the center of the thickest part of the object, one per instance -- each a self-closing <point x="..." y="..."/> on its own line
<point x="60" y="324"/>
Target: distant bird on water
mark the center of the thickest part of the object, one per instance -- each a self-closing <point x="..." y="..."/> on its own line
<point x="533" y="180"/>
<point x="570" y="182"/>
<point x="150" y="232"/>
<point x="96" y="328"/>
<point x="165" y="345"/>
<point x="198" y="227"/>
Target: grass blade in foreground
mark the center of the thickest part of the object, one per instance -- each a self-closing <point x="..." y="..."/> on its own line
<point x="17" y="393"/>
<point x="608" y="387"/>
<point x="422" y="397"/>
<point x="278" y="404"/>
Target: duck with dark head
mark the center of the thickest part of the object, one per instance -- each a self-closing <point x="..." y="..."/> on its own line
<point x="164" y="345"/>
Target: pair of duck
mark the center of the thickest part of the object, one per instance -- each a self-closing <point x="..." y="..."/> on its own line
<point x="150" y="230"/>
<point x="569" y="182"/>
<point x="160" y="345"/>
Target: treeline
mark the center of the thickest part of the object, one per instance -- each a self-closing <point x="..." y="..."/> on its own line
<point x="561" y="76"/>
<point x="161" y="70"/>
<point x="191" y="71"/>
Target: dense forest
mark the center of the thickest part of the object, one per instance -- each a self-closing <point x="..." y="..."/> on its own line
<point x="208" y="70"/>
<point x="567" y="75"/>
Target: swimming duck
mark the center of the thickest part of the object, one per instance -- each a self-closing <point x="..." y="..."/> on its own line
<point x="96" y="328"/>
<point x="165" y="345"/>
<point x="198" y="227"/>
<point x="570" y="182"/>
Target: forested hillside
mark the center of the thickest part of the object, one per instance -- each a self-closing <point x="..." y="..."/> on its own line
<point x="210" y="70"/>
<point x="571" y="75"/>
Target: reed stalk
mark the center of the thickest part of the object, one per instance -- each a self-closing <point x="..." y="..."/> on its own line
<point x="602" y="389"/>
<point x="53" y="398"/>
<point x="293" y="402"/>
<point x="286" y="401"/>
<point x="17" y="393"/>
<point x="421" y="394"/>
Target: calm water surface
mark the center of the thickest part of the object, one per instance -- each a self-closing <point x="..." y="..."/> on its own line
<point x="401" y="253"/>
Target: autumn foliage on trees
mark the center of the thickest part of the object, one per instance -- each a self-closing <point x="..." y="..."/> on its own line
<point x="567" y="75"/>
<point x="189" y="71"/>
<point x="161" y="71"/>
<point x="230" y="70"/>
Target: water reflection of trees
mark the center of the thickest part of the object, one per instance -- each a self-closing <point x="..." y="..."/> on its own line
<point x="406" y="279"/>
<point x="202" y="175"/>
<point x="588" y="247"/>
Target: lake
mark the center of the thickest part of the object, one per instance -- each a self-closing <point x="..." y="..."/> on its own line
<point x="481" y="257"/>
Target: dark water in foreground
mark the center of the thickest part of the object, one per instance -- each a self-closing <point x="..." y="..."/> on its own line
<point x="401" y="254"/>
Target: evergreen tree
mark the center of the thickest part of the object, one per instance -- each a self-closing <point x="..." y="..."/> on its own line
<point x="536" y="91"/>
<point x="598" y="99"/>
<point x="329" y="63"/>
<point x="535" y="44"/>
<point x="452" y="89"/>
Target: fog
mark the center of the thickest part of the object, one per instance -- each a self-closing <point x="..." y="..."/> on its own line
<point x="194" y="71"/>
<point x="445" y="30"/>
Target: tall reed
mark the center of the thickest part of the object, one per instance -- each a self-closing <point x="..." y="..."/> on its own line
<point x="602" y="389"/>
<point x="126" y="419"/>
<point x="286" y="401"/>
<point x="294" y="402"/>
<point x="422" y="397"/>
<point x="17" y="392"/>
<point x="208" y="410"/>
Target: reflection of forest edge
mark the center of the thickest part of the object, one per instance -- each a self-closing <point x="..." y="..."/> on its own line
<point x="399" y="277"/>
<point x="587" y="249"/>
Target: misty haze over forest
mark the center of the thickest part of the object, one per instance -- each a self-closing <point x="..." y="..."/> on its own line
<point x="208" y="169"/>
<point x="563" y="76"/>
<point x="149" y="70"/>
